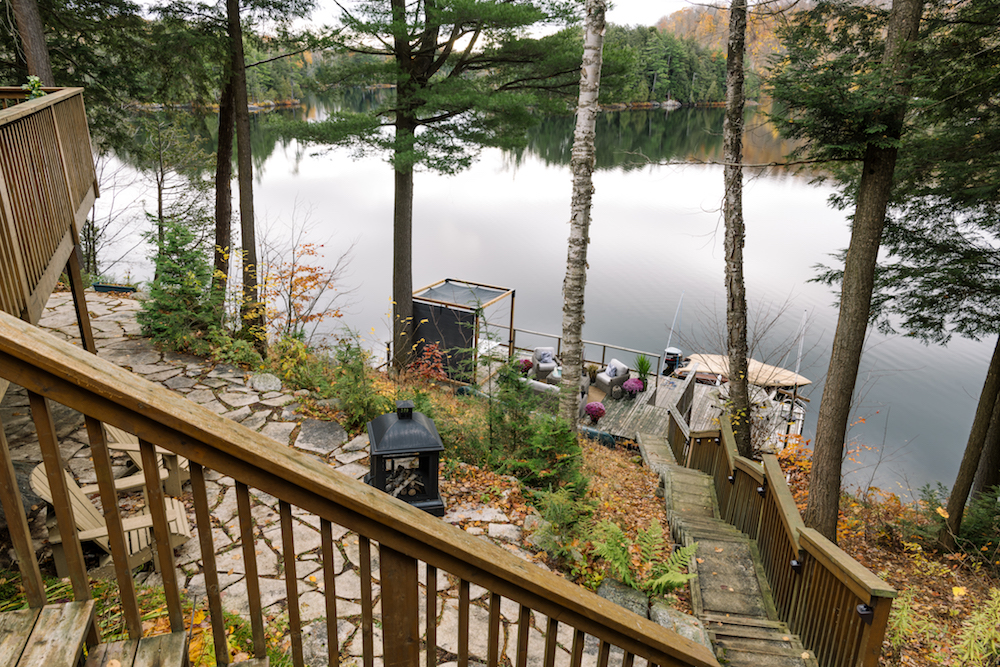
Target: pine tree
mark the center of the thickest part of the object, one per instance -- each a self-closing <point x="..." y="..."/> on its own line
<point x="850" y="106"/>
<point x="464" y="77"/>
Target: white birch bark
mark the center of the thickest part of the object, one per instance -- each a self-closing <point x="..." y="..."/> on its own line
<point x="582" y="167"/>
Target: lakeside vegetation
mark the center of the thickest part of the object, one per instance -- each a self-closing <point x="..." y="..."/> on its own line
<point x="842" y="121"/>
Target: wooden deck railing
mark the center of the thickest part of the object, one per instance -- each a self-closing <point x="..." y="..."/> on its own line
<point x="47" y="187"/>
<point x="53" y="370"/>
<point x="838" y="608"/>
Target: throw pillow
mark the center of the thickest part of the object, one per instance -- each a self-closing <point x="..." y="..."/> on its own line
<point x="611" y="371"/>
<point x="545" y="357"/>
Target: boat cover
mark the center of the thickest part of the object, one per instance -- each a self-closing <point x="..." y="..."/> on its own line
<point x="760" y="374"/>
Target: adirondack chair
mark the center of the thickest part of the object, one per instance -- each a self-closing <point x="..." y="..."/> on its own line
<point x="176" y="467"/>
<point x="91" y="527"/>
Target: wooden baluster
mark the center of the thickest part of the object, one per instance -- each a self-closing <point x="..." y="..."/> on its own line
<point x="551" y="632"/>
<point x="17" y="524"/>
<point x="857" y="648"/>
<point x="400" y="609"/>
<point x="250" y="561"/>
<point x="522" y="636"/>
<point x="116" y="534"/>
<point x="161" y="534"/>
<point x="494" y="637"/>
<point x="431" y="639"/>
<point x="46" y="429"/>
<point x="800" y="588"/>
<point x="291" y="582"/>
<point x="367" y="636"/>
<point x="603" y="653"/>
<point x="873" y="633"/>
<point x="844" y="600"/>
<point x="463" y="623"/>
<point x="204" y="522"/>
<point x="330" y="593"/>
<point x="628" y="659"/>
<point x="576" y="657"/>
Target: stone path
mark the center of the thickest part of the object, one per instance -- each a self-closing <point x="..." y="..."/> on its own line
<point x="730" y="593"/>
<point x="260" y="403"/>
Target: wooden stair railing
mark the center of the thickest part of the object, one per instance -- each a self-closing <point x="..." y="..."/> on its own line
<point x="51" y="369"/>
<point x="838" y="608"/>
<point x="47" y="188"/>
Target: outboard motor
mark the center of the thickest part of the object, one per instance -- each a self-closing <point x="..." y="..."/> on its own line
<point x="671" y="360"/>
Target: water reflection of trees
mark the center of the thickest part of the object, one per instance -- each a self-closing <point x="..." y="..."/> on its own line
<point x="630" y="140"/>
<point x="626" y="140"/>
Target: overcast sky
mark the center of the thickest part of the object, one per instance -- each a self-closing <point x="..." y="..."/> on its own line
<point x="645" y="12"/>
<point x="622" y="12"/>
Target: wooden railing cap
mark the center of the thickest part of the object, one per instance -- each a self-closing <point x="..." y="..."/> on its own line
<point x="857" y="577"/>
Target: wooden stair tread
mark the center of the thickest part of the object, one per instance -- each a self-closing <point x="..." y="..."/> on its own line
<point x="736" y="619"/>
<point x="253" y="662"/>
<point x="15" y="628"/>
<point x="168" y="650"/>
<point x="57" y="635"/>
<point x="727" y="631"/>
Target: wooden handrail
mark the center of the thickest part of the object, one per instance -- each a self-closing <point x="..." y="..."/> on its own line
<point x="752" y="468"/>
<point x="823" y="599"/>
<point x="61" y="372"/>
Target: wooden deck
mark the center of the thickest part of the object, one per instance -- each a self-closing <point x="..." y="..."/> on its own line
<point x="626" y="418"/>
<point x="648" y="412"/>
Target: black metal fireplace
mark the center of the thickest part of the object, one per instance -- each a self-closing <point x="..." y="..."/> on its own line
<point x="404" y="455"/>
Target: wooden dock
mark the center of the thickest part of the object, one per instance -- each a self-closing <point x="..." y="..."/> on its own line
<point x="648" y="412"/>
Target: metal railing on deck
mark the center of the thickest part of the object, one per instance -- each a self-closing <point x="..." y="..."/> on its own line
<point x="47" y="187"/>
<point x="53" y="370"/>
<point x="602" y="362"/>
<point x="838" y="608"/>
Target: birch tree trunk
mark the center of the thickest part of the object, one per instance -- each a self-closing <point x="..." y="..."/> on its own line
<point x="856" y="290"/>
<point x="582" y="167"/>
<point x="736" y="295"/>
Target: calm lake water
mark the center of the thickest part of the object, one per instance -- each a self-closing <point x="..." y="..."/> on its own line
<point x="657" y="233"/>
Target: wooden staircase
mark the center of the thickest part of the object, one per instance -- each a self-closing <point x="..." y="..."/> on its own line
<point x="730" y="595"/>
<point x="56" y="636"/>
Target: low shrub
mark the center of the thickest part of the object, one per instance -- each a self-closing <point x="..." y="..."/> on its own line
<point x="300" y="367"/>
<point x="549" y="459"/>
<point x="353" y="384"/>
<point x="180" y="308"/>
<point x="565" y="527"/>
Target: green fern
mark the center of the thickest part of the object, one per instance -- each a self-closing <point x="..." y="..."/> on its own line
<point x="651" y="543"/>
<point x="613" y="547"/>
<point x="653" y="572"/>
<point x="666" y="574"/>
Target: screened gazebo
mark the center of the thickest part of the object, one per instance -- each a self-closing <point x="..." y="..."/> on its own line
<point x="467" y="320"/>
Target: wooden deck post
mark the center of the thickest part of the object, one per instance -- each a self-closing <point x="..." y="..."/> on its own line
<point x="17" y="525"/>
<point x="871" y="639"/>
<point x="400" y="609"/>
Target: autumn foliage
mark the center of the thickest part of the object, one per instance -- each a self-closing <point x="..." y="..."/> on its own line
<point x="300" y="292"/>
